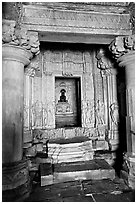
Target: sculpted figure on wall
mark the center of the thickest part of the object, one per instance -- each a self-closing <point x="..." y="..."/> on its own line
<point x="99" y="110"/>
<point x="103" y="62"/>
<point x="114" y="113"/>
<point x="87" y="113"/>
<point x="37" y="114"/>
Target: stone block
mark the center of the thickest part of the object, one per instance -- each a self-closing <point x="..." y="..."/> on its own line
<point x="100" y="145"/>
<point x="69" y="152"/>
<point x="84" y="170"/>
<point x="27" y="145"/>
<point x="31" y="151"/>
<point x="43" y="160"/>
<point x="58" y="133"/>
<point x="69" y="133"/>
<point x="79" y="131"/>
<point x="46" y="174"/>
<point x="27" y="137"/>
<point x="114" y="144"/>
<point x="39" y="147"/>
<point x="47" y="180"/>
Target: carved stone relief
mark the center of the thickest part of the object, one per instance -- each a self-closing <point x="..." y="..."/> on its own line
<point x="88" y="112"/>
<point x="110" y="104"/>
<point x="13" y="35"/>
<point x="122" y="45"/>
<point x="35" y="66"/>
<point x="85" y="22"/>
<point x="65" y="62"/>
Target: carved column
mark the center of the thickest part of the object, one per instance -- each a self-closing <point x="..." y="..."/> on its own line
<point x="17" y="50"/>
<point x="110" y="97"/>
<point x="123" y="49"/>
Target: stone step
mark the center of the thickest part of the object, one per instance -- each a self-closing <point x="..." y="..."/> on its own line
<point x="71" y="152"/>
<point x="83" y="170"/>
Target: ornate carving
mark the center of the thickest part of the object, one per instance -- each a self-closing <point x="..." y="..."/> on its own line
<point x="19" y="37"/>
<point x="114" y="113"/>
<point x="33" y="66"/>
<point x="65" y="62"/>
<point x="131" y="10"/>
<point x="88" y="113"/>
<point x="99" y="113"/>
<point x="122" y="45"/>
<point x="103" y="62"/>
<point x="76" y="19"/>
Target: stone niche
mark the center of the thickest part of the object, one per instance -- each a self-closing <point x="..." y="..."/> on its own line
<point x="70" y="71"/>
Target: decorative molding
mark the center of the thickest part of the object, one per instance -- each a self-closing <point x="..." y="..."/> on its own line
<point x="122" y="45"/>
<point x="131" y="10"/>
<point x="76" y="21"/>
<point x="12" y="35"/>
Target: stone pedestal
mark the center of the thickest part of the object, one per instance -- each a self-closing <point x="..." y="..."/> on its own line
<point x="15" y="172"/>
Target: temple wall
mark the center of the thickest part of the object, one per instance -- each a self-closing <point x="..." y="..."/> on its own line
<point x="41" y="97"/>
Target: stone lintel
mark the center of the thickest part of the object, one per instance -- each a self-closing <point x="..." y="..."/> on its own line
<point x="69" y="37"/>
<point x="44" y="19"/>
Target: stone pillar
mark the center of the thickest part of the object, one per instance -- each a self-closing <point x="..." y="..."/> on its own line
<point x="113" y="111"/>
<point x="110" y="97"/>
<point x="123" y="49"/>
<point x="14" y="59"/>
<point x="15" y="174"/>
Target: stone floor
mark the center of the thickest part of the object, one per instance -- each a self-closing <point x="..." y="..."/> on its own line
<point x="104" y="190"/>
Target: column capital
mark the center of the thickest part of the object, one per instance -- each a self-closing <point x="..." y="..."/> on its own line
<point x="19" y="37"/>
<point x="14" y="53"/>
<point x="121" y="46"/>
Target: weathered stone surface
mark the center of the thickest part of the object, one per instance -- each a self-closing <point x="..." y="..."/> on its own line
<point x="14" y="175"/>
<point x="18" y="194"/>
<point x="108" y="156"/>
<point x="69" y="152"/>
<point x="13" y="35"/>
<point x="96" y="23"/>
<point x="27" y="145"/>
<point x="95" y="169"/>
<point x="110" y="7"/>
<point x="39" y="147"/>
<point x="27" y="137"/>
<point x="116" y="197"/>
<point x="104" y="186"/>
<point x="100" y="145"/>
<point x="83" y="191"/>
<point x="31" y="152"/>
<point x="14" y="59"/>
<point x="43" y="160"/>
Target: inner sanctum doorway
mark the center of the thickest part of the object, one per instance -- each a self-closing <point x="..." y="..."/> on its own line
<point x="67" y="102"/>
